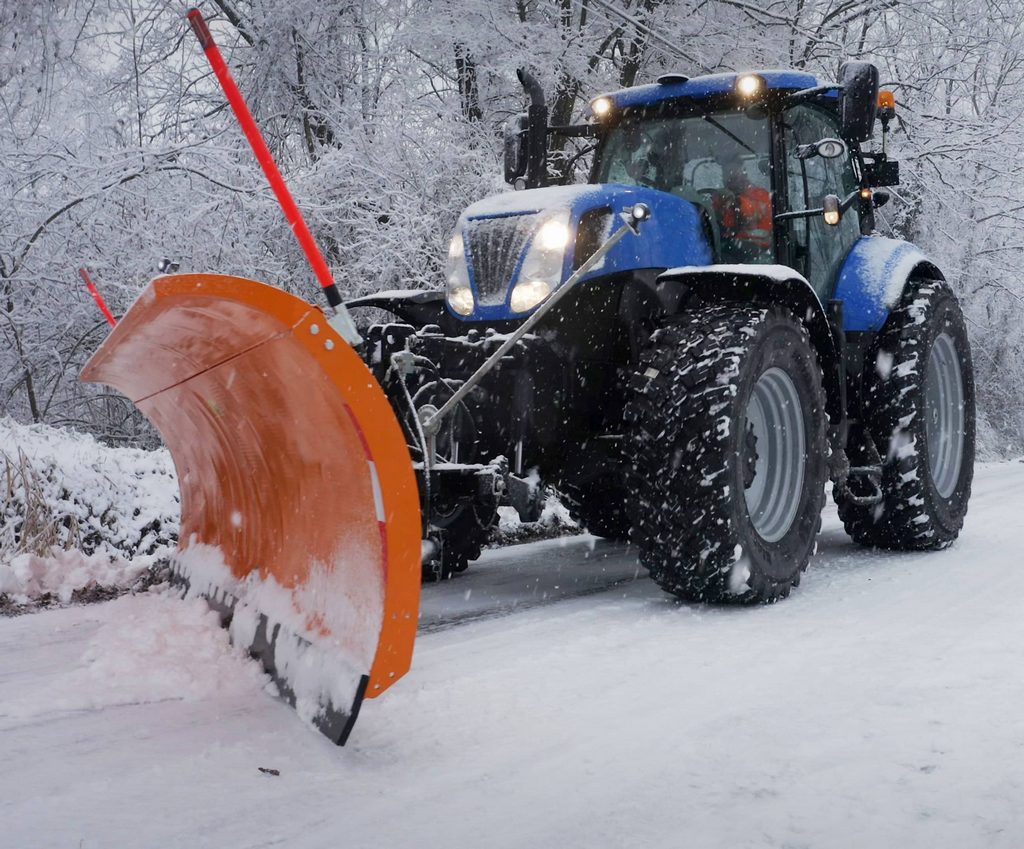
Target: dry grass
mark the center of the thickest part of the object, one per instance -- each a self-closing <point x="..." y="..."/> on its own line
<point x="29" y="523"/>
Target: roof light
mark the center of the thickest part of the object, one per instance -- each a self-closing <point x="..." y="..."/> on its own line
<point x="601" y="107"/>
<point x="886" y="111"/>
<point x="749" y="85"/>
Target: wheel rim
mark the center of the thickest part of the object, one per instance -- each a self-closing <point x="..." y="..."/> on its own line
<point x="944" y="414"/>
<point x="773" y="429"/>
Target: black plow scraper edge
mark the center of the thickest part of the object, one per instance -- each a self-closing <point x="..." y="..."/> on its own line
<point x="333" y="722"/>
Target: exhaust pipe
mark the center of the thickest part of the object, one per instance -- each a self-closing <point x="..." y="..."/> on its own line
<point x="536" y="131"/>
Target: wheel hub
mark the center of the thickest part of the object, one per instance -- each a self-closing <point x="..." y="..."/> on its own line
<point x="774" y="450"/>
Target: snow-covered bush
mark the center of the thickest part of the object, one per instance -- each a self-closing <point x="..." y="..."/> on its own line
<point x="75" y="514"/>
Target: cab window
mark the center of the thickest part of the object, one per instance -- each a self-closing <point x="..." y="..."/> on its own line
<point x="818" y="248"/>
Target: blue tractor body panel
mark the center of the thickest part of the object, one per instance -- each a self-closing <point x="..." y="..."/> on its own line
<point x="706" y="86"/>
<point x="872" y="280"/>
<point x="674" y="236"/>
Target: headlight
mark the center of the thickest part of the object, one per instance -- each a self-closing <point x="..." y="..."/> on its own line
<point x="541" y="271"/>
<point x="554" y="235"/>
<point x="457" y="248"/>
<point x="459" y="293"/>
<point x="529" y="293"/>
<point x="460" y="299"/>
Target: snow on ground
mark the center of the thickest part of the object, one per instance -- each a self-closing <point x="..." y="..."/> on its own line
<point x="148" y="648"/>
<point x="556" y="699"/>
<point x="76" y="514"/>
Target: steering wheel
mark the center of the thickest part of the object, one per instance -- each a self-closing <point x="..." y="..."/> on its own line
<point x="714" y="196"/>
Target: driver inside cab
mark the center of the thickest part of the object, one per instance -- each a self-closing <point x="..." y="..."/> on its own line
<point x="744" y="212"/>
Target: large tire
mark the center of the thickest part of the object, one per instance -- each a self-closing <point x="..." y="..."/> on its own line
<point x="601" y="509"/>
<point x="708" y="518"/>
<point x="919" y="403"/>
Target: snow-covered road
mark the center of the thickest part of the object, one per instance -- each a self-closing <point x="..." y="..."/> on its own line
<point x="556" y="699"/>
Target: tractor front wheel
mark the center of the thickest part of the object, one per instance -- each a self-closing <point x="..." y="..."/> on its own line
<point x="727" y="448"/>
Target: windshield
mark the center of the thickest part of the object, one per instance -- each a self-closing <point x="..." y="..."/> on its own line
<point x="719" y="161"/>
<point x="691" y="154"/>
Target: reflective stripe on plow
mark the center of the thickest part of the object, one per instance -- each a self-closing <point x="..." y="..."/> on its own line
<point x="378" y="496"/>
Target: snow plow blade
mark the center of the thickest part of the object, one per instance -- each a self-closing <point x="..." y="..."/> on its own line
<point x="300" y="514"/>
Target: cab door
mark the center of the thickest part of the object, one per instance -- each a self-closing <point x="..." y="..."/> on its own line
<point x="816" y="249"/>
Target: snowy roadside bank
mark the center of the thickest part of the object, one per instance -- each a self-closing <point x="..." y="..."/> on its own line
<point x="79" y="520"/>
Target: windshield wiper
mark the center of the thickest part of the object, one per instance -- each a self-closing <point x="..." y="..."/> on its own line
<point x="733" y="136"/>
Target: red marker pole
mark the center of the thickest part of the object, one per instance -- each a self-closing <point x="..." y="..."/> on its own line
<point x="263" y="156"/>
<point x="96" y="296"/>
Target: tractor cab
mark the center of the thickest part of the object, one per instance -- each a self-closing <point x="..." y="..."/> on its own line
<point x="720" y="162"/>
<point x="772" y="162"/>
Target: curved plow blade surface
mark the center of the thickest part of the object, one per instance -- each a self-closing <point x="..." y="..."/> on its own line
<point x="300" y="514"/>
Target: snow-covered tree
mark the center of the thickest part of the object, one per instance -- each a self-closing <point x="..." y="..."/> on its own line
<point x="386" y="117"/>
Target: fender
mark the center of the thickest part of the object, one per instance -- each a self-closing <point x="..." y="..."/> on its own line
<point x="873" y="277"/>
<point x="764" y="285"/>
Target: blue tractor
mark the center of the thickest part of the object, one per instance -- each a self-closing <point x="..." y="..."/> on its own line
<point x="692" y="343"/>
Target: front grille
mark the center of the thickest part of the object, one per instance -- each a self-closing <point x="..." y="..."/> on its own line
<point x="495" y="246"/>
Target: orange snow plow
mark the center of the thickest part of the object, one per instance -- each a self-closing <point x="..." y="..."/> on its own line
<point x="300" y="509"/>
<point x="300" y="513"/>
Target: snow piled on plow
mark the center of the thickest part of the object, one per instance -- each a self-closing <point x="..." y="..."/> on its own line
<point x="329" y="625"/>
<point x="76" y="515"/>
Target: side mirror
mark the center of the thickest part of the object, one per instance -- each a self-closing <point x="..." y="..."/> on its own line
<point x="515" y="147"/>
<point x="880" y="198"/>
<point x="859" y="104"/>
<point x="826" y="149"/>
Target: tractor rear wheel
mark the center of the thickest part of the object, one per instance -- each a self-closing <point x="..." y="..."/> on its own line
<point x="727" y="448"/>
<point x="919" y="410"/>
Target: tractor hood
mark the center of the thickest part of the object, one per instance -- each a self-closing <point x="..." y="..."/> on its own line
<point x="509" y="251"/>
